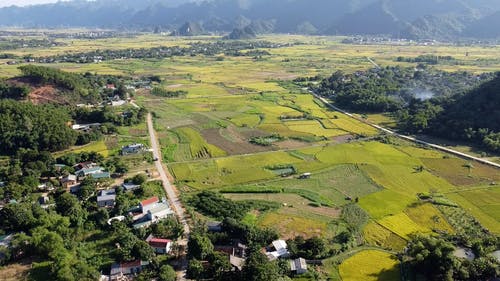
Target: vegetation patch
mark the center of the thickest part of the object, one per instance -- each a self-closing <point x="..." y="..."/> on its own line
<point x="377" y="235"/>
<point x="426" y="215"/>
<point x="370" y="265"/>
<point x="402" y="225"/>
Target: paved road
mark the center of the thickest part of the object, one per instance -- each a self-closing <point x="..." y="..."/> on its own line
<point x="170" y="190"/>
<point x="409" y="138"/>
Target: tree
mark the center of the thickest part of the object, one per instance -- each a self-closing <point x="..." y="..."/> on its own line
<point x="17" y="217"/>
<point x="433" y="257"/>
<point x="195" y="269"/>
<point x="167" y="273"/>
<point x="142" y="250"/>
<point x="219" y="263"/>
<point x="258" y="268"/>
<point x="199" y="246"/>
<point x="68" y="205"/>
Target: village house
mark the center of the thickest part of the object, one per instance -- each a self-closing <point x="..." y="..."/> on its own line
<point x="69" y="181"/>
<point x="130" y="186"/>
<point x="96" y="172"/>
<point x="85" y="127"/>
<point x="160" y="246"/>
<point x="133" y="148"/>
<point x="119" y="270"/>
<point x="148" y="204"/>
<point x="280" y="250"/>
<point x="236" y="254"/>
<point x="152" y="211"/>
<point x="85" y="165"/>
<point x="298" y="266"/>
<point x="106" y="198"/>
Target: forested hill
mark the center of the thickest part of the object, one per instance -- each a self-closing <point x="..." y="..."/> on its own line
<point x="416" y="19"/>
<point x="473" y="116"/>
<point x="452" y="105"/>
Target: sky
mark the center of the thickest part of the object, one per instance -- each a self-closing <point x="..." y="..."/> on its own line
<point x="4" y="3"/>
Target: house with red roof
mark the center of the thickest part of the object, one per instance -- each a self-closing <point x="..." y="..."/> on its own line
<point x="159" y="245"/>
<point x="118" y="270"/>
<point x="148" y="204"/>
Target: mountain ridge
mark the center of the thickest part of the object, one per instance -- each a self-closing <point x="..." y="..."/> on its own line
<point x="412" y="19"/>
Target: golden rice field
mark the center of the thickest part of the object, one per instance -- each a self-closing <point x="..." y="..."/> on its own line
<point x="370" y="265"/>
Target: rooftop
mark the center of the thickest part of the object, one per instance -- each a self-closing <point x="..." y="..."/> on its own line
<point x="160" y="207"/>
<point x="159" y="243"/>
<point x="299" y="263"/>
<point x="152" y="200"/>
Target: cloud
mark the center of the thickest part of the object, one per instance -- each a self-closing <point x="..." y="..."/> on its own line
<point x="5" y="3"/>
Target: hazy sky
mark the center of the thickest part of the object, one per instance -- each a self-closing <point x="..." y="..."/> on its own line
<point x="4" y="3"/>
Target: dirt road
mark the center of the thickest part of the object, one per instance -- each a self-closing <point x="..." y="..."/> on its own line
<point x="170" y="190"/>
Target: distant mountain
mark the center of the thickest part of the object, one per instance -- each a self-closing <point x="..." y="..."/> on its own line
<point x="416" y="19"/>
<point x="486" y="27"/>
<point x="242" y="33"/>
<point x="189" y="29"/>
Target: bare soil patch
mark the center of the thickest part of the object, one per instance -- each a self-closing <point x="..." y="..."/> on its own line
<point x="46" y="94"/>
<point x="14" y="272"/>
<point x="175" y="86"/>
<point x="237" y="146"/>
<point x="343" y="139"/>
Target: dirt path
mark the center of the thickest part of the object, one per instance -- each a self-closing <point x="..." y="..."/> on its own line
<point x="171" y="192"/>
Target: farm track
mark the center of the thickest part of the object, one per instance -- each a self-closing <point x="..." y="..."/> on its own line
<point x="171" y="192"/>
<point x="408" y="138"/>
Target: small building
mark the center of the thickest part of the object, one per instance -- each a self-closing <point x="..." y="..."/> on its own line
<point x="75" y="188"/>
<point x="214" y="226"/>
<point x="280" y="250"/>
<point x="148" y="204"/>
<point x="236" y="262"/>
<point x="159" y="212"/>
<point x="85" y="165"/>
<point x="43" y="200"/>
<point x="96" y="172"/>
<point x="59" y="167"/>
<point x="160" y="246"/>
<point x="133" y="148"/>
<point x="102" y="175"/>
<point x="118" y="270"/>
<point x="298" y="266"/>
<point x="130" y="186"/>
<point x="305" y="176"/>
<point x="106" y="198"/>
<point x="68" y="181"/>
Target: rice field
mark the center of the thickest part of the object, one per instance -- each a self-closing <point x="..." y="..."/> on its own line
<point x="483" y="204"/>
<point x="205" y="139"/>
<point x="370" y="265"/>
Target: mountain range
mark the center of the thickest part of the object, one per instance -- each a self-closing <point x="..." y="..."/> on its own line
<point x="412" y="19"/>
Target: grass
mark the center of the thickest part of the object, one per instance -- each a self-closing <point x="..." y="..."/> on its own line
<point x="227" y="171"/>
<point x="328" y="187"/>
<point x="198" y="146"/>
<point x="98" y="146"/>
<point x="426" y="215"/>
<point x="483" y="204"/>
<point x="455" y="171"/>
<point x="370" y="265"/>
<point x="290" y="226"/>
